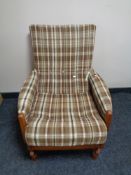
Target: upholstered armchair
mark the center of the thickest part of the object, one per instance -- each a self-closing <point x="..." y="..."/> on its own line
<point x="64" y="104"/>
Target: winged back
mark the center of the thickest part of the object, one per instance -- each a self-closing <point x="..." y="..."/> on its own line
<point x="62" y="56"/>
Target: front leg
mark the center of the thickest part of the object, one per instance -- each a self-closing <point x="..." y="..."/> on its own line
<point x="33" y="155"/>
<point x="96" y="153"/>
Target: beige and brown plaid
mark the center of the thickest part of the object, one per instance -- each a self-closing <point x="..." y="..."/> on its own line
<point x="59" y="107"/>
<point x="100" y="93"/>
<point x="65" y="120"/>
<point x="27" y="94"/>
<point x="62" y="57"/>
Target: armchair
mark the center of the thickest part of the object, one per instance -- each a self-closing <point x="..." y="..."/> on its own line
<point x="64" y="104"/>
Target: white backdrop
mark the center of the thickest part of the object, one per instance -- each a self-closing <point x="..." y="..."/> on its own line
<point x="112" y="55"/>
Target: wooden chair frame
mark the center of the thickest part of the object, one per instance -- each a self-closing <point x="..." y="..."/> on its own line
<point x="32" y="149"/>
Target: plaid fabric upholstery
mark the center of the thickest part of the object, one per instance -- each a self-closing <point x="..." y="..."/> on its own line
<point x="62" y="56"/>
<point x="65" y="120"/>
<point x="56" y="99"/>
<point x="100" y="93"/>
<point x="27" y="94"/>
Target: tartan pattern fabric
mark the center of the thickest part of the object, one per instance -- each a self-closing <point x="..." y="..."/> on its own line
<point x="65" y="120"/>
<point x="56" y="99"/>
<point x="62" y="56"/>
<point x="27" y="94"/>
<point x="100" y="93"/>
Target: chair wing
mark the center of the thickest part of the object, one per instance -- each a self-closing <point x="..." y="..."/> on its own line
<point x="27" y="94"/>
<point x="100" y="93"/>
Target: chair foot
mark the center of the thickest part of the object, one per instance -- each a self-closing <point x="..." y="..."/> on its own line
<point x="33" y="155"/>
<point x="96" y="153"/>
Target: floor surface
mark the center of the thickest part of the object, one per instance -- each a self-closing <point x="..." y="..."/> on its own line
<point x="115" y="159"/>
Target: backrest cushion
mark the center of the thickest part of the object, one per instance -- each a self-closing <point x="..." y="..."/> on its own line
<point x="62" y="56"/>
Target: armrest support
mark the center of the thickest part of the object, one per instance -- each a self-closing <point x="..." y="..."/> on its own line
<point x="22" y="123"/>
<point x="27" y="94"/>
<point x="100" y="94"/>
<point x="108" y="118"/>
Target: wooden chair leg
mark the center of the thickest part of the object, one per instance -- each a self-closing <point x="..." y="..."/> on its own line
<point x="33" y="155"/>
<point x="95" y="153"/>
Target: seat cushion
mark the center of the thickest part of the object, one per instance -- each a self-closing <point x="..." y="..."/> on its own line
<point x="65" y="120"/>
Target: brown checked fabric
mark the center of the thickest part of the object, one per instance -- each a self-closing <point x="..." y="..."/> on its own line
<point x="27" y="94"/>
<point x="100" y="93"/>
<point x="56" y="99"/>
<point x="65" y="120"/>
<point x="62" y="56"/>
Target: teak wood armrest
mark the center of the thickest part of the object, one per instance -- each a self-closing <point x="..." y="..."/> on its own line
<point x="22" y="123"/>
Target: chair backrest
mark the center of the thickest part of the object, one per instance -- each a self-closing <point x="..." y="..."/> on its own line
<point x="62" y="56"/>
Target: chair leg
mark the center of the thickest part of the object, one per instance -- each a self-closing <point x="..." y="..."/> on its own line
<point x="95" y="153"/>
<point x="33" y="155"/>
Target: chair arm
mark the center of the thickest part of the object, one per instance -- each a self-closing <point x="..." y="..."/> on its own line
<point x="100" y="94"/>
<point x="22" y="123"/>
<point x="27" y="94"/>
<point x="108" y="118"/>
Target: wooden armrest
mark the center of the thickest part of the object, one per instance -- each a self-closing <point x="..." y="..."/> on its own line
<point x="22" y="123"/>
<point x="108" y="118"/>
